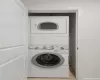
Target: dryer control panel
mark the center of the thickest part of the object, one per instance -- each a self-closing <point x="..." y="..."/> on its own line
<point x="49" y="47"/>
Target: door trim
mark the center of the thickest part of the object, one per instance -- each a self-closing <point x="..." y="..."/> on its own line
<point x="25" y="34"/>
<point x="70" y="10"/>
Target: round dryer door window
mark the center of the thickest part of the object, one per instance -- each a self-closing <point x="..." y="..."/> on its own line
<point x="47" y="60"/>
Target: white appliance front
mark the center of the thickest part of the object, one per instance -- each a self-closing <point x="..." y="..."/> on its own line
<point x="50" y="24"/>
<point x="57" y="71"/>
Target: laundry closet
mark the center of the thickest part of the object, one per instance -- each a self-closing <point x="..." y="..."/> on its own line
<point x="84" y="32"/>
<point x="52" y="45"/>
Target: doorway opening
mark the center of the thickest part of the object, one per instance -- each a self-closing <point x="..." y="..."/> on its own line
<point x="72" y="37"/>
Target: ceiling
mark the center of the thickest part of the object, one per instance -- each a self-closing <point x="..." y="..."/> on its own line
<point x="36" y="2"/>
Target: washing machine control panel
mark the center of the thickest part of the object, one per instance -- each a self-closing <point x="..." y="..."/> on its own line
<point x="49" y="47"/>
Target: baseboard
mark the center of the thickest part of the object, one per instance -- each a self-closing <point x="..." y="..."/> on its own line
<point x="91" y="78"/>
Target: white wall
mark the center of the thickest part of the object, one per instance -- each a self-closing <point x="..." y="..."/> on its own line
<point x="88" y="32"/>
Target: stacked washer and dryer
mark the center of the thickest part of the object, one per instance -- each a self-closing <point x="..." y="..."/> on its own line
<point x="49" y="47"/>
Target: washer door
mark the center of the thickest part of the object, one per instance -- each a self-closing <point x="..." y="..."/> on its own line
<point x="48" y="60"/>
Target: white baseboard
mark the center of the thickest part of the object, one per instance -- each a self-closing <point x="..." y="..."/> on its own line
<point x="91" y="78"/>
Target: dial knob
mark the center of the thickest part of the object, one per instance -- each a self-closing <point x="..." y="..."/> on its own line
<point x="51" y="47"/>
<point x="44" y="47"/>
<point x="48" y="47"/>
<point x="65" y="47"/>
<point x="62" y="48"/>
<point x="36" y="48"/>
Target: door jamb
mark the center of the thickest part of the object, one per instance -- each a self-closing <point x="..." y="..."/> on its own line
<point x="65" y="11"/>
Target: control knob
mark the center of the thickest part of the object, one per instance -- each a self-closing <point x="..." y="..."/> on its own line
<point x="48" y="47"/>
<point x="35" y="48"/>
<point x="62" y="48"/>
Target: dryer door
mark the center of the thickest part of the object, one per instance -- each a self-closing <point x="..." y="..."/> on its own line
<point x="49" y="24"/>
<point x="47" y="60"/>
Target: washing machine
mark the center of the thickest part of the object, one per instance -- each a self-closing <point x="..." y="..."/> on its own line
<point x="48" y="61"/>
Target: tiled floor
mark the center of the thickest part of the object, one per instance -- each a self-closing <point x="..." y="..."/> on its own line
<point x="70" y="78"/>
